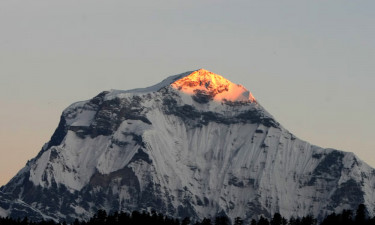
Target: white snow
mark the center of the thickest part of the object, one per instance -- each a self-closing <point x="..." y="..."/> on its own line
<point x="79" y="210"/>
<point x="83" y="119"/>
<point x="3" y="212"/>
<point x="154" y="88"/>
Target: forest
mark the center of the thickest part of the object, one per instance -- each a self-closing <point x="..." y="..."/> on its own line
<point x="346" y="217"/>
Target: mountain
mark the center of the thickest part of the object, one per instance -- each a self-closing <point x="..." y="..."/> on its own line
<point x="193" y="145"/>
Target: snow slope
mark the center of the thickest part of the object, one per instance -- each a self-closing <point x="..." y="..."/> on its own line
<point x="193" y="145"/>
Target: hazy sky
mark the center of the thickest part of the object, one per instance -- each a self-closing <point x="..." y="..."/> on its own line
<point x="311" y="64"/>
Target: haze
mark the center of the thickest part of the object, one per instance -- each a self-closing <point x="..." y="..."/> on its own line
<point x="309" y="63"/>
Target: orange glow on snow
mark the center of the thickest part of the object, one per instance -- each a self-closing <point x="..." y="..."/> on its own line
<point x="214" y="85"/>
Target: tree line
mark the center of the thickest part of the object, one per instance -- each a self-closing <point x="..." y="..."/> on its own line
<point x="346" y="217"/>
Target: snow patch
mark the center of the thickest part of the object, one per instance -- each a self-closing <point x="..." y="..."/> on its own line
<point x="3" y="213"/>
<point x="84" y="118"/>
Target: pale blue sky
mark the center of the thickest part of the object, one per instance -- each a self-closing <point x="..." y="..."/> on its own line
<point x="311" y="64"/>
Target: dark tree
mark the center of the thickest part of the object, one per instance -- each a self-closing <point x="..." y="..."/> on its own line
<point x="76" y="222"/>
<point x="277" y="219"/>
<point x="25" y="221"/>
<point x="206" y="221"/>
<point x="185" y="221"/>
<point x="124" y="218"/>
<point x="330" y="219"/>
<point x="263" y="221"/>
<point x="360" y="216"/>
<point x="371" y="221"/>
<point x="238" y="221"/>
<point x="308" y="220"/>
<point x="145" y="218"/>
<point x="294" y="221"/>
<point x="99" y="218"/>
<point x="112" y="219"/>
<point x="221" y="220"/>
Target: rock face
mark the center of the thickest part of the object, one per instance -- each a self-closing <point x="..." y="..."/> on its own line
<point x="194" y="145"/>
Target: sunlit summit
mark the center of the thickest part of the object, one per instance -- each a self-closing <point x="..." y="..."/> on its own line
<point x="207" y="83"/>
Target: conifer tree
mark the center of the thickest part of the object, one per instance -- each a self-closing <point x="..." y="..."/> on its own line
<point x="277" y="219"/>
<point x="360" y="216"/>
<point x="186" y="221"/>
<point x="238" y="221"/>
<point x="263" y="221"/>
<point x="221" y="220"/>
<point x="308" y="220"/>
<point x="206" y="221"/>
<point x="76" y="222"/>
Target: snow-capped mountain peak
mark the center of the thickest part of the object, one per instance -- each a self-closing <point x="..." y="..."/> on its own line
<point x="192" y="145"/>
<point x="215" y="87"/>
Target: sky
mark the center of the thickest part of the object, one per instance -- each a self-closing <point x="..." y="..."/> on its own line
<point x="311" y="64"/>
